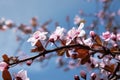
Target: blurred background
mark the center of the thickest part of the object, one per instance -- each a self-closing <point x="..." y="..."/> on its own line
<point x="21" y="11"/>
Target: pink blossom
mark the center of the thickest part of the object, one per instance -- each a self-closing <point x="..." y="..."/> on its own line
<point x="57" y="34"/>
<point x="38" y="35"/>
<point x="118" y="12"/>
<point x="71" y="64"/>
<point x="101" y="14"/>
<point x="117" y="57"/>
<point x="71" y="35"/>
<point x="92" y="33"/>
<point x="53" y="37"/>
<point x="3" y="66"/>
<point x="113" y="37"/>
<point x="80" y="30"/>
<point x="106" y="36"/>
<point x="81" y="33"/>
<point x="2" y="20"/>
<point x="9" y="22"/>
<point x="77" y="19"/>
<point x="93" y="76"/>
<point x="59" y="31"/>
<point x="118" y="36"/>
<point x="102" y="64"/>
<point x="112" y="14"/>
<point x="75" y="33"/>
<point x="94" y="61"/>
<point x="88" y="42"/>
<point x="22" y="75"/>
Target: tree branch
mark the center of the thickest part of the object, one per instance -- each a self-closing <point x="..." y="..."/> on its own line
<point x="49" y="51"/>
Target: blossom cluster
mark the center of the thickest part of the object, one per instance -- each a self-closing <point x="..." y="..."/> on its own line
<point x="77" y="35"/>
<point x="84" y="48"/>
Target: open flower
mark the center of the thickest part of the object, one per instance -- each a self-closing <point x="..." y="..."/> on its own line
<point x="3" y="66"/>
<point x="88" y="42"/>
<point x="77" y="19"/>
<point x="80" y="30"/>
<point x="57" y="34"/>
<point x="38" y="35"/>
<point x="73" y="33"/>
<point x="118" y="36"/>
<point x="21" y="75"/>
<point x="106" y="36"/>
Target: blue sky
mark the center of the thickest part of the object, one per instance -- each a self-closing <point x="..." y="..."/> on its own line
<point x="21" y="11"/>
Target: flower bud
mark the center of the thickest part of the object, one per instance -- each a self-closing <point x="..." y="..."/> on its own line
<point x="29" y="62"/>
<point x="76" y="77"/>
<point x="93" y="76"/>
<point x="92" y="33"/>
<point x="83" y="74"/>
<point x="118" y="73"/>
<point x="113" y="37"/>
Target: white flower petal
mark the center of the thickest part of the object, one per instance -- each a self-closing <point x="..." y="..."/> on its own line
<point x="22" y="74"/>
<point x="3" y="65"/>
<point x="81" y="26"/>
<point x="82" y="33"/>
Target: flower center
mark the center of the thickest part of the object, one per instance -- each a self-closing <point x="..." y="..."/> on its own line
<point x="18" y="78"/>
<point x="36" y="36"/>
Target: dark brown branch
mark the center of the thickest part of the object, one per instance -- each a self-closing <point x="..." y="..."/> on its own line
<point x="49" y="51"/>
<point x="55" y="49"/>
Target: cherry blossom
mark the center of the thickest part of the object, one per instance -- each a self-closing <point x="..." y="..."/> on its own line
<point x="57" y="34"/>
<point x="3" y="66"/>
<point x="92" y="33"/>
<point x="118" y="12"/>
<point x="101" y="14"/>
<point x="81" y="33"/>
<point x="21" y="75"/>
<point x="9" y="23"/>
<point x="118" y="36"/>
<point x="72" y="33"/>
<point x="106" y="36"/>
<point x="80" y="30"/>
<point x="88" y="42"/>
<point x="77" y="19"/>
<point x="93" y="76"/>
<point x="113" y="37"/>
<point x="38" y="35"/>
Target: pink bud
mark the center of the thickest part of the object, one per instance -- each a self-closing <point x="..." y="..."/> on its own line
<point x="76" y="77"/>
<point x="29" y="62"/>
<point x="3" y="66"/>
<point x="92" y="33"/>
<point x="115" y="45"/>
<point x="93" y="76"/>
<point x="83" y="74"/>
<point x="113" y="37"/>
